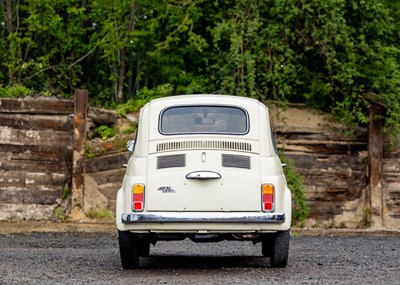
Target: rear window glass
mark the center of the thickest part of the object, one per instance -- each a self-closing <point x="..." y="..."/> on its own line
<point x="204" y="120"/>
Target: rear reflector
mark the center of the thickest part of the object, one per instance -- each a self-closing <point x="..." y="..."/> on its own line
<point x="138" y="197"/>
<point x="268" y="192"/>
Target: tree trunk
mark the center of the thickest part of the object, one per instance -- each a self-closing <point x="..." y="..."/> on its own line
<point x="121" y="75"/>
<point x="9" y="20"/>
<point x="122" y="55"/>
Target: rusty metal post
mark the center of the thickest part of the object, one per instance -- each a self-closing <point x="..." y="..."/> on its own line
<point x="375" y="154"/>
<point x="79" y="155"/>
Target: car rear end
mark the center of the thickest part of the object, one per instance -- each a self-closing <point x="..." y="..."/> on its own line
<point x="204" y="166"/>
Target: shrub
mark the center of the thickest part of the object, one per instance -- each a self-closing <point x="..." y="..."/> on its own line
<point x="295" y="183"/>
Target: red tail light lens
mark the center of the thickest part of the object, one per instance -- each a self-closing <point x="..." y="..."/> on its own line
<point x="138" y="197"/>
<point x="268" y="193"/>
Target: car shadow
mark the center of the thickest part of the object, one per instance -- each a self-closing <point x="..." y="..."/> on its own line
<point x="203" y="262"/>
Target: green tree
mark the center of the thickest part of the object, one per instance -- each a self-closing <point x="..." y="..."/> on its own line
<point x="43" y="44"/>
<point x="331" y="55"/>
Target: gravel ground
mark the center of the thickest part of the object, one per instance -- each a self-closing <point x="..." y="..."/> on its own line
<point x="93" y="258"/>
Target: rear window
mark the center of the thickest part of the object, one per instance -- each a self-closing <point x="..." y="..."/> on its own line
<point x="204" y="120"/>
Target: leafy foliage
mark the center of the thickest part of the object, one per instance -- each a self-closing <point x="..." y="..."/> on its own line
<point x="106" y="132"/>
<point x="328" y="54"/>
<point x="295" y="184"/>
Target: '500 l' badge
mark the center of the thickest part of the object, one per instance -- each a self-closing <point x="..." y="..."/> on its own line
<point x="166" y="189"/>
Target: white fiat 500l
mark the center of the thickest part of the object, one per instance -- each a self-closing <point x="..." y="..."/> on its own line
<point x="204" y="167"/>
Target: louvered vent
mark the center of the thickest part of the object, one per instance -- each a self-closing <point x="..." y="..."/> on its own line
<point x="237" y="161"/>
<point x="167" y="161"/>
<point x="226" y="145"/>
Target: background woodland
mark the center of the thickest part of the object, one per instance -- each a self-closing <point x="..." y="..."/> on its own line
<point x="336" y="56"/>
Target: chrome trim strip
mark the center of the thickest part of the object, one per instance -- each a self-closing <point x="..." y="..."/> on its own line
<point x="200" y="217"/>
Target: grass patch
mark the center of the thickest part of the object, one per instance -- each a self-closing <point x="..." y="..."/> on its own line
<point x="104" y="214"/>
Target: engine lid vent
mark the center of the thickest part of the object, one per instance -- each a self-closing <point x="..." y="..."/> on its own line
<point x="237" y="161"/>
<point x="168" y="161"/>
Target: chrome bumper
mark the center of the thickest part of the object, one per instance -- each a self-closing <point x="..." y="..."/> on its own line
<point x="198" y="217"/>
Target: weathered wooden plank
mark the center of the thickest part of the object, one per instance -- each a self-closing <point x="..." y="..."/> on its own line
<point x="34" y="137"/>
<point x="28" y="165"/>
<point x="30" y="195"/>
<point x="37" y="105"/>
<point x="37" y="152"/>
<point x="33" y="179"/>
<point x="106" y="162"/>
<point x="30" y="212"/>
<point x="36" y="122"/>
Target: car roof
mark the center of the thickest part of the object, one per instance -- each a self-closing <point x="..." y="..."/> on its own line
<point x="204" y="99"/>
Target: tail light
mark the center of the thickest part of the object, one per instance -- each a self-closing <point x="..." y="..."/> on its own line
<point x="268" y="197"/>
<point x="137" y="197"/>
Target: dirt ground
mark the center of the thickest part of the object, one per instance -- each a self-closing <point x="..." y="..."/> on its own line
<point x="48" y="227"/>
<point x="110" y="227"/>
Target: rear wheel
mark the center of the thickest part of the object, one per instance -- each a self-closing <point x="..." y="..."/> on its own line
<point x="279" y="253"/>
<point x="128" y="249"/>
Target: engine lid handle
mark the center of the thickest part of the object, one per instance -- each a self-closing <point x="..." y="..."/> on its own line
<point x="203" y="174"/>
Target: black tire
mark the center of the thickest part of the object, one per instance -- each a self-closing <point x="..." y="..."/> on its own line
<point x="143" y="247"/>
<point x="128" y="250"/>
<point x="280" y="249"/>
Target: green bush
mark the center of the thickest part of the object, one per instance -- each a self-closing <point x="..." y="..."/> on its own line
<point x="295" y="183"/>
<point x="14" y="91"/>
<point x="106" y="132"/>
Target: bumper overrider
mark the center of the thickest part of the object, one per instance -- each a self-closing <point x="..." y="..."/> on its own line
<point x="197" y="217"/>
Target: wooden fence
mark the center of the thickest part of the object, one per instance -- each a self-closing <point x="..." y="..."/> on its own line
<point x="36" y="160"/>
<point x="348" y="183"/>
<point x="36" y="156"/>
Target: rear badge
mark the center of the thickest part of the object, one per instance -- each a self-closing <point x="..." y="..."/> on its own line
<point x="166" y="189"/>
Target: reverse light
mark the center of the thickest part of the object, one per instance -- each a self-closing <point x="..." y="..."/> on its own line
<point x="267" y="197"/>
<point x="137" y="197"/>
